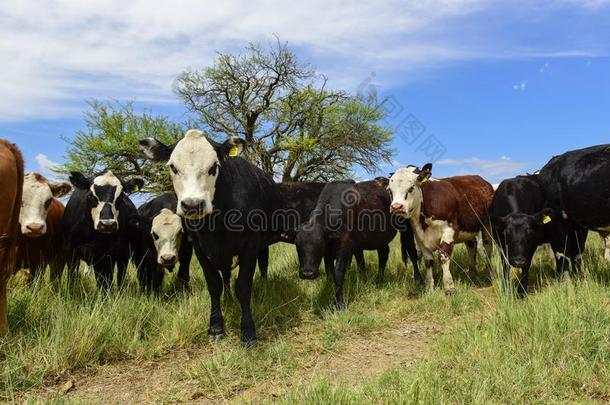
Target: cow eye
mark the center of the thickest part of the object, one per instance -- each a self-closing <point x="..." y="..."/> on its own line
<point x="47" y="203"/>
<point x="213" y="169"/>
<point x="155" y="236"/>
<point x="173" y="168"/>
<point x="93" y="201"/>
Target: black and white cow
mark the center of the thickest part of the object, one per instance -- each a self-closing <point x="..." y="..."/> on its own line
<point x="101" y="225"/>
<point x="163" y="243"/>
<point x="226" y="201"/>
<point x="520" y="224"/>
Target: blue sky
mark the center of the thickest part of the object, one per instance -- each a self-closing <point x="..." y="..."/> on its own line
<point x="501" y="85"/>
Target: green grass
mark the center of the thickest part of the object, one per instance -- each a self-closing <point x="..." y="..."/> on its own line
<point x="551" y="347"/>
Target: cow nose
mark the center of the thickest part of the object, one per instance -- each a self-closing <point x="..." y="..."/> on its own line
<point x="309" y="274"/>
<point x="192" y="205"/>
<point x="519" y="261"/>
<point x="168" y="258"/>
<point x="35" y="227"/>
<point x="396" y="207"/>
<point x="107" y="225"/>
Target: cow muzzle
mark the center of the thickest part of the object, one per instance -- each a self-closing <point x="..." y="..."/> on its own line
<point x="107" y="226"/>
<point x="309" y="274"/>
<point x="397" y="208"/>
<point x="193" y="208"/>
<point x="34" y="230"/>
<point x="167" y="259"/>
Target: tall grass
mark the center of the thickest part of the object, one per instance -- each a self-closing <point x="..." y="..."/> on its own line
<point x="552" y="346"/>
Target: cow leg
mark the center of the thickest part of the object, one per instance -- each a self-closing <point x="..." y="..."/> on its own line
<point x="429" y="263"/>
<point x="226" y="281"/>
<point x="156" y="282"/>
<point x="121" y="272"/>
<point x="359" y="256"/>
<point x="263" y="261"/>
<point x="383" y="254"/>
<point x="409" y="250"/>
<point x="329" y="262"/>
<point x="103" y="274"/>
<point x="606" y="237"/>
<point x="185" y="256"/>
<point x="344" y="258"/>
<point x="243" y="290"/>
<point x="4" y="275"/>
<point x="445" y="252"/>
<point x="471" y="246"/>
<point x="57" y="268"/>
<point x="214" y="283"/>
<point x="577" y="249"/>
<point x="488" y="245"/>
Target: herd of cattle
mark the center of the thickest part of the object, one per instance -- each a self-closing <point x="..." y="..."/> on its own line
<point x="225" y="209"/>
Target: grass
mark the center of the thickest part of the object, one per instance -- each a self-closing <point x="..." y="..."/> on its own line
<point x="553" y="346"/>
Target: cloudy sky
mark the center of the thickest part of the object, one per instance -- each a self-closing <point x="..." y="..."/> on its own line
<point x="492" y="87"/>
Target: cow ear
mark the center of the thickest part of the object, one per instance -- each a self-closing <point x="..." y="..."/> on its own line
<point x="497" y="222"/>
<point x="545" y="216"/>
<point x="155" y="150"/>
<point x="133" y="185"/>
<point x="232" y="147"/>
<point x="425" y="174"/>
<point x="79" y="180"/>
<point x="60" y="189"/>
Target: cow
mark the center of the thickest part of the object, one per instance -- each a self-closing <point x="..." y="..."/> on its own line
<point x="163" y="243"/>
<point x="443" y="212"/>
<point x="41" y="237"/>
<point x="576" y="186"/>
<point x="227" y="203"/>
<point x="11" y="184"/>
<point x="349" y="217"/>
<point x="101" y="225"/>
<point x="520" y="224"/>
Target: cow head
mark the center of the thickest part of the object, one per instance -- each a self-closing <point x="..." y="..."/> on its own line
<point x="38" y="195"/>
<point x="167" y="233"/>
<point x="104" y="194"/>
<point x="405" y="187"/>
<point x="522" y="234"/>
<point x="194" y="164"/>
<point x="310" y="245"/>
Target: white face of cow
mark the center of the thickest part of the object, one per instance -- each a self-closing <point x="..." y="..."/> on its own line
<point x="166" y="232"/>
<point x="37" y="198"/>
<point x="407" y="195"/>
<point x="194" y="168"/>
<point x="105" y="191"/>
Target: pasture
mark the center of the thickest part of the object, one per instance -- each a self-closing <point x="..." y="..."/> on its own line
<point x="393" y="344"/>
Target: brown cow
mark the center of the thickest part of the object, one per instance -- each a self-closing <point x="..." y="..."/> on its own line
<point x="443" y="213"/>
<point x="41" y="240"/>
<point x="11" y="184"/>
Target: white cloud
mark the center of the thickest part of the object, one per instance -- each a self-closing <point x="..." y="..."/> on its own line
<point x="520" y="86"/>
<point x="491" y="170"/>
<point x="46" y="166"/>
<point x="58" y="52"/>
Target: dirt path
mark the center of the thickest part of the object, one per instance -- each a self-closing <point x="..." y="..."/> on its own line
<point x="165" y="380"/>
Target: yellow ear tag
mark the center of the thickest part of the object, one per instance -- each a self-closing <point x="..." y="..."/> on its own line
<point x="546" y="219"/>
<point x="234" y="151"/>
<point x="427" y="179"/>
<point x="136" y="188"/>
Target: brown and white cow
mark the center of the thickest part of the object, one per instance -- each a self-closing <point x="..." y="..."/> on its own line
<point x="41" y="240"/>
<point x="11" y="184"/>
<point x="442" y="213"/>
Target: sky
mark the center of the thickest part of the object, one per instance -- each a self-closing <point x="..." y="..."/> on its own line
<point x="494" y="88"/>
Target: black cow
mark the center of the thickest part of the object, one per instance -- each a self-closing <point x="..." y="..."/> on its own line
<point x="101" y="225"/>
<point x="577" y="186"/>
<point x="227" y="203"/>
<point x="348" y="217"/>
<point x="163" y="243"/>
<point x="520" y="224"/>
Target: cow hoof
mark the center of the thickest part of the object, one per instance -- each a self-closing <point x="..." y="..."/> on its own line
<point x="249" y="343"/>
<point x="216" y="337"/>
<point x="450" y="292"/>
